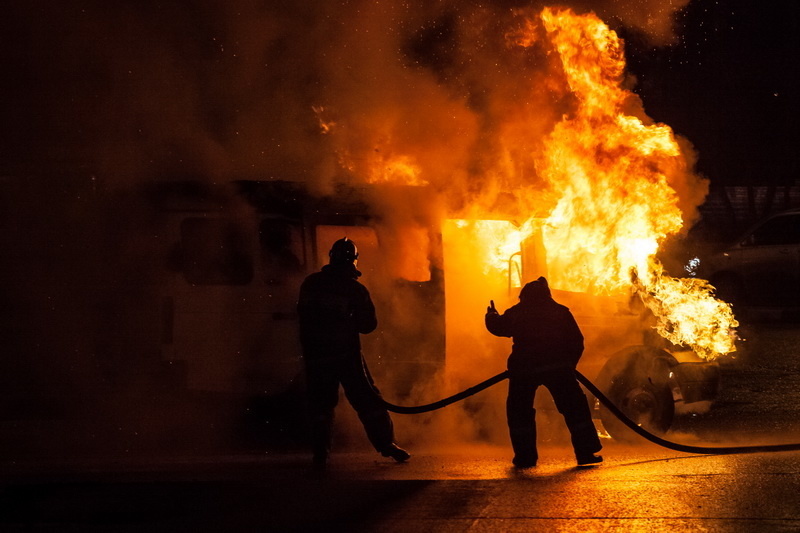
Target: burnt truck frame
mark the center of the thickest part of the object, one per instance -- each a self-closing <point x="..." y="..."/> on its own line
<point x="228" y="310"/>
<point x="188" y="290"/>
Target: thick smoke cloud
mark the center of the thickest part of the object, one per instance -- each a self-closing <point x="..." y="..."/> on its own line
<point x="226" y="90"/>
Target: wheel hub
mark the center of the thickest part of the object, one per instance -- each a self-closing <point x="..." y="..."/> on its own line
<point x="640" y="404"/>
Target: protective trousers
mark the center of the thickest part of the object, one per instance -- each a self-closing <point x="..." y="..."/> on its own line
<point x="323" y="378"/>
<point x="570" y="401"/>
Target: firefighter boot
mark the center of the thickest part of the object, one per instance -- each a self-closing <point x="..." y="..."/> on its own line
<point x="523" y="442"/>
<point x="395" y="452"/>
<point x="588" y="459"/>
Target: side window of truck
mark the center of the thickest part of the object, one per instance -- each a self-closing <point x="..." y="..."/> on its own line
<point x="281" y="245"/>
<point x="215" y="251"/>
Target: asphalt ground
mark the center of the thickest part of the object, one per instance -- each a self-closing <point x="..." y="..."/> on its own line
<point x="759" y="395"/>
<point x="217" y="487"/>
<point x="474" y="489"/>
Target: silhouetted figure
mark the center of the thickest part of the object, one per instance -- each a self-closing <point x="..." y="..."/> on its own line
<point x="334" y="310"/>
<point x="547" y="346"/>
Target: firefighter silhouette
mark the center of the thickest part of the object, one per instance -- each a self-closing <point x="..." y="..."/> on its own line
<point x="334" y="310"/>
<point x="547" y="346"/>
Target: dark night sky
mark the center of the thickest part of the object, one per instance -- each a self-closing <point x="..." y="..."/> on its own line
<point x="730" y="84"/>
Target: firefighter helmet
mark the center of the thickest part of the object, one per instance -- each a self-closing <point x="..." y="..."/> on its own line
<point x="535" y="290"/>
<point x="343" y="251"/>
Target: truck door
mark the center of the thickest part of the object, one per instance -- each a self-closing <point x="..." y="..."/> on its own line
<point x="234" y="325"/>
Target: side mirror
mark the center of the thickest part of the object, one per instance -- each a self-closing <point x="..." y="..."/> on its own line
<point x="514" y="267"/>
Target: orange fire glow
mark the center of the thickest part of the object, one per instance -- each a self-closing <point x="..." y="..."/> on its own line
<point x="500" y="242"/>
<point x="398" y="170"/>
<point x="615" y="172"/>
<point x="611" y="177"/>
<point x="378" y="165"/>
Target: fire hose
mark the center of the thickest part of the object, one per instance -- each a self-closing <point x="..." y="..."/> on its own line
<point x="714" y="450"/>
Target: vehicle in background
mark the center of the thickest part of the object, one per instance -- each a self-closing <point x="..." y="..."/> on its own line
<point x="761" y="268"/>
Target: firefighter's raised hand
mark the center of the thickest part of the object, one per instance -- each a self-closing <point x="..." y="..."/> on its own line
<point x="491" y="310"/>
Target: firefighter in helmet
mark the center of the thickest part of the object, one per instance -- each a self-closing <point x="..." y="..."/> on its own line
<point x="547" y="346"/>
<point x="335" y="309"/>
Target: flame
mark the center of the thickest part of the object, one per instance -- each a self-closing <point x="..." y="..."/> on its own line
<point x="599" y="183"/>
<point x="617" y="205"/>
<point x="685" y="309"/>
<point x="500" y="244"/>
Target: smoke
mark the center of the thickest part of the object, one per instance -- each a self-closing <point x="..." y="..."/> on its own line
<point x="315" y="92"/>
<point x="132" y="91"/>
<point x="654" y="18"/>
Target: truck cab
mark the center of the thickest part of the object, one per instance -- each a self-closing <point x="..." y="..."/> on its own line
<point x="236" y="262"/>
<point x="237" y="259"/>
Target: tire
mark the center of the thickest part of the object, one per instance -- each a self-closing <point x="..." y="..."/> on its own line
<point x="637" y="381"/>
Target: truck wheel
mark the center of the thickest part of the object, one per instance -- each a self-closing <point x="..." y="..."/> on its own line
<point x="637" y="380"/>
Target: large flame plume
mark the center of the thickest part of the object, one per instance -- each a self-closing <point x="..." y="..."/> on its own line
<point x="597" y="177"/>
<point x="615" y="172"/>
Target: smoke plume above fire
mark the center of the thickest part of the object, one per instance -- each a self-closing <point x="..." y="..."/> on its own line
<point x="228" y="90"/>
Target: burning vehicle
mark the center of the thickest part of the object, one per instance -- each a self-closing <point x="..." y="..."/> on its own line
<point x="237" y="255"/>
<point x="455" y="196"/>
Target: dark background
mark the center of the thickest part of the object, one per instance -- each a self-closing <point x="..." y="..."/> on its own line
<point x="731" y="85"/>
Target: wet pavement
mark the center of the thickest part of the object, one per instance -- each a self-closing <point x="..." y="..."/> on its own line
<point x="453" y="488"/>
<point x="759" y="391"/>
<point x="474" y="489"/>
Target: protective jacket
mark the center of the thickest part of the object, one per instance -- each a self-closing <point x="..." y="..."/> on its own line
<point x="546" y="336"/>
<point x="334" y="308"/>
<point x="547" y="346"/>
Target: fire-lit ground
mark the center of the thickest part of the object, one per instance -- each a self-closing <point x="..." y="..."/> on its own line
<point x="760" y="389"/>
<point x="470" y="487"/>
<point x="474" y="489"/>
